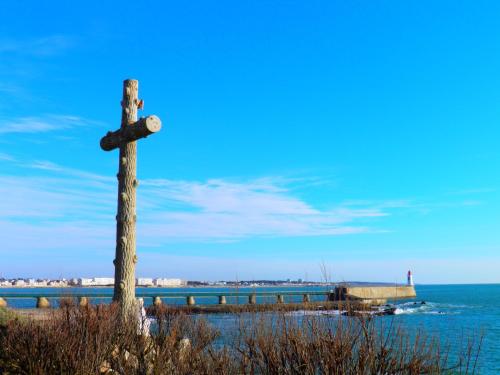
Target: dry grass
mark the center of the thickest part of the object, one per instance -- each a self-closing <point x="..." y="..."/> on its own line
<point x="90" y="341"/>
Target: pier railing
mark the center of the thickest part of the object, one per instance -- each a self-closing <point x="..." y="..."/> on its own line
<point x="45" y="300"/>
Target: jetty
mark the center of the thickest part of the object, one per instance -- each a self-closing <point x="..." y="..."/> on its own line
<point x="375" y="295"/>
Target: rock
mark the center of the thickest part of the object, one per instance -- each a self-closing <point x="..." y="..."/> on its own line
<point x="42" y="303"/>
<point x="105" y="368"/>
<point x="144" y="323"/>
<point x="184" y="346"/>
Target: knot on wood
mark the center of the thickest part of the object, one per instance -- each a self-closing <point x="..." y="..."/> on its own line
<point x="114" y="262"/>
<point x="136" y="183"/>
<point x="135" y="259"/>
<point x="123" y="240"/>
<point x="126" y="218"/>
<point x="124" y="196"/>
<point x="122" y="285"/>
<point x="140" y="103"/>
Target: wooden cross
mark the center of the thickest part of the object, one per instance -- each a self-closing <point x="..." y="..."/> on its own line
<point x="124" y="138"/>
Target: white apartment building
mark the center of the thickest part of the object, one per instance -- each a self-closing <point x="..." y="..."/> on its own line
<point x="168" y="282"/>
<point x="60" y="283"/>
<point x="96" y="281"/>
<point x="140" y="281"/>
<point x="144" y="281"/>
<point x="84" y="282"/>
<point x="103" y="281"/>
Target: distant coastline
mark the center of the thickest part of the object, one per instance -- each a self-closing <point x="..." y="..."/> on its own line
<point x="161" y="287"/>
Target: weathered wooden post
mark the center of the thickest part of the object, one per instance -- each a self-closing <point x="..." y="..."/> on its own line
<point x="131" y="130"/>
<point x="157" y="302"/>
<point x="222" y="300"/>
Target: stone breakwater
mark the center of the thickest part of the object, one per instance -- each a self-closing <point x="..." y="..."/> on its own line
<point x="374" y="295"/>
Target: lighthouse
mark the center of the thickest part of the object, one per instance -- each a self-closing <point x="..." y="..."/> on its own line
<point x="410" y="279"/>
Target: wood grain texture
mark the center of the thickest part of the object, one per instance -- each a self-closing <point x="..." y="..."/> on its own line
<point x="126" y="258"/>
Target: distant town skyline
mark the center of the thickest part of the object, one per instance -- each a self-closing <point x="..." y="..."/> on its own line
<point x="88" y="282"/>
<point x="354" y="139"/>
<point x="146" y="282"/>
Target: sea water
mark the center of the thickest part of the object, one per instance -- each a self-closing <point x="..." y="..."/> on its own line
<point x="455" y="312"/>
<point x="451" y="312"/>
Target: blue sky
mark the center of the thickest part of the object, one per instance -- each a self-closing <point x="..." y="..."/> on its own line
<point x="360" y="135"/>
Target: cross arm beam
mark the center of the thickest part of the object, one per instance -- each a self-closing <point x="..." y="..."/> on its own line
<point x="130" y="133"/>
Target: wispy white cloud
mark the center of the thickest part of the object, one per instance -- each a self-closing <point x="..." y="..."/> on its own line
<point x="6" y="157"/>
<point x="223" y="210"/>
<point x="42" y="46"/>
<point x="10" y="89"/>
<point x="44" y="124"/>
<point x="54" y="210"/>
<point x="64" y="201"/>
<point x="46" y="165"/>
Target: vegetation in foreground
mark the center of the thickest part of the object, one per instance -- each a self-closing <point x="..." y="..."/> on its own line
<point x="6" y="316"/>
<point x="91" y="341"/>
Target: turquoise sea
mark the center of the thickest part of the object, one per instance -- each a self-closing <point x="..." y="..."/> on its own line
<point x="451" y="312"/>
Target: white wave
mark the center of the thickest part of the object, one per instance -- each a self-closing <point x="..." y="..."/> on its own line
<point x="400" y="311"/>
<point x="428" y="308"/>
<point x="440" y="312"/>
<point x="315" y="312"/>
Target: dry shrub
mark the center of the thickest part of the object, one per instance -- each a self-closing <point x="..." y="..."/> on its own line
<point x="66" y="302"/>
<point x="91" y="341"/>
<point x="6" y="315"/>
<point x="280" y="345"/>
<point x="74" y="342"/>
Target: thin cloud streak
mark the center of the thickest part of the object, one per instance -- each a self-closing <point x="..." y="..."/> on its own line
<point x="44" y="124"/>
<point x="40" y="47"/>
<point x="64" y="204"/>
<point x="222" y="210"/>
<point x="6" y="157"/>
